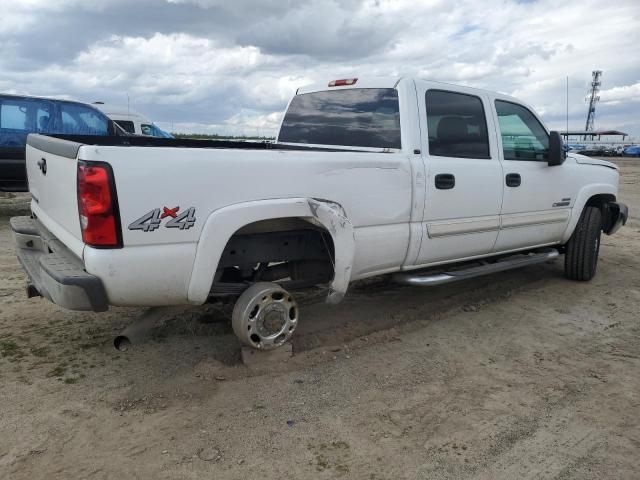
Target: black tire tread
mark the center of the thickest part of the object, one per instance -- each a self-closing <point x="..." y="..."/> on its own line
<point x="581" y="256"/>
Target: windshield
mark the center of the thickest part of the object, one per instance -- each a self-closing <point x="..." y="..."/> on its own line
<point x="152" y="130"/>
<point x="361" y="117"/>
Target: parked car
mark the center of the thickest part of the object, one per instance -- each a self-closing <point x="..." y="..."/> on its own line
<point x="424" y="181"/>
<point x="575" y="147"/>
<point x="632" y="151"/>
<point x="131" y="122"/>
<point x="594" y="151"/>
<point x="618" y="150"/>
<point x="21" y="115"/>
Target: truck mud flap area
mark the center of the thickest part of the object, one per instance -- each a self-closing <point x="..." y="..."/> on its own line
<point x="55" y="275"/>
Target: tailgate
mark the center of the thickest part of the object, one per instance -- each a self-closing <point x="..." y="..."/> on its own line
<point x="52" y="176"/>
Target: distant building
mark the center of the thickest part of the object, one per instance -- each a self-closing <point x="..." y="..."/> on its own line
<point x="595" y="135"/>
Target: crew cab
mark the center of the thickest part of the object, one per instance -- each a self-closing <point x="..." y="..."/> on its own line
<point x="424" y="181"/>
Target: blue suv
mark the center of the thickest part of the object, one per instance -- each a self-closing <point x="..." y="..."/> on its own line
<point x="22" y="115"/>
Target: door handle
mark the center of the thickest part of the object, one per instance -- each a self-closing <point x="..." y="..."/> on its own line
<point x="513" y="180"/>
<point x="445" y="181"/>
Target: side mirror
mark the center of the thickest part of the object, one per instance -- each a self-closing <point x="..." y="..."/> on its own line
<point x="557" y="152"/>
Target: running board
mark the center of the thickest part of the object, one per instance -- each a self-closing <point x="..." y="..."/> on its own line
<point x="427" y="280"/>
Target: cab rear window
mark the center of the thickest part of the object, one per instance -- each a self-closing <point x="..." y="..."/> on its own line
<point x="362" y="117"/>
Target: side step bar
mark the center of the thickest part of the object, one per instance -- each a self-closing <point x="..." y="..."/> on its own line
<point x="427" y="279"/>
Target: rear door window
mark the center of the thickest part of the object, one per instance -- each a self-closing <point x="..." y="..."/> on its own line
<point x="362" y="117"/>
<point x="80" y="120"/>
<point x="457" y="125"/>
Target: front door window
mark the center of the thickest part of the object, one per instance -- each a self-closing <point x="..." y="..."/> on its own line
<point x="523" y="137"/>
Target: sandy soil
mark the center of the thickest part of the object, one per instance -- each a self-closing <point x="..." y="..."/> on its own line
<point x="516" y="375"/>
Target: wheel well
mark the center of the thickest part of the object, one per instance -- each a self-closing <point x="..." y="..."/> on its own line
<point x="292" y="251"/>
<point x="602" y="201"/>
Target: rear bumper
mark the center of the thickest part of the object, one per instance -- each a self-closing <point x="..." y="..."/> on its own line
<point x="617" y="216"/>
<point x="53" y="271"/>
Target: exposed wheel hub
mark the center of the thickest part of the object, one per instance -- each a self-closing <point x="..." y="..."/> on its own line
<point x="265" y="316"/>
<point x="272" y="320"/>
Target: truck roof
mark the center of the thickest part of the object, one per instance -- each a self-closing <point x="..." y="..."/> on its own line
<point x="388" y="82"/>
<point x="362" y="82"/>
<point x="52" y="99"/>
<point x="119" y="110"/>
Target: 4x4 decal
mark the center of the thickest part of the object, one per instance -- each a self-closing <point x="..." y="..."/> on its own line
<point x="152" y="220"/>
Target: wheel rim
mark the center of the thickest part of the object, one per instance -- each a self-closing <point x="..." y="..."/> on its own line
<point x="265" y="317"/>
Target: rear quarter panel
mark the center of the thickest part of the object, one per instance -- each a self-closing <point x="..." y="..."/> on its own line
<point x="374" y="189"/>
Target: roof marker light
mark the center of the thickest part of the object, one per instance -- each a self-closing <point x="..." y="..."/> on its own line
<point x="343" y="82"/>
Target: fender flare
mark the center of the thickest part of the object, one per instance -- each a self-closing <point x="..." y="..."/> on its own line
<point x="223" y="223"/>
<point x="582" y="198"/>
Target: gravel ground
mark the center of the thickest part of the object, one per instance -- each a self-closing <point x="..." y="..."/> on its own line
<point x="521" y="374"/>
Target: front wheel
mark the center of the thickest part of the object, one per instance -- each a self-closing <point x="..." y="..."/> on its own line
<point x="581" y="258"/>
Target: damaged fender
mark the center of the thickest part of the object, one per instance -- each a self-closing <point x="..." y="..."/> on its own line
<point x="223" y="223"/>
<point x="333" y="217"/>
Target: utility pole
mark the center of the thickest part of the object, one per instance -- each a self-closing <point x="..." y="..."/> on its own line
<point x="567" y="138"/>
<point x="593" y="99"/>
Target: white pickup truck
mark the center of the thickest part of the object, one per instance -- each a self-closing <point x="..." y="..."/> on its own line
<point x="425" y="181"/>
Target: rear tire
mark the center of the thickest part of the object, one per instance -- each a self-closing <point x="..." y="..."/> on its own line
<point x="265" y="316"/>
<point x="581" y="258"/>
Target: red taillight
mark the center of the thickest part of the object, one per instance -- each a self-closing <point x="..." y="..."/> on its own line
<point x="343" y="82"/>
<point x="97" y="206"/>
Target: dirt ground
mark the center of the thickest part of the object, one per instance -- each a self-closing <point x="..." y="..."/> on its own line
<point x="520" y="375"/>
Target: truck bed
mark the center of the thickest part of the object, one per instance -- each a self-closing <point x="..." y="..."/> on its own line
<point x="40" y="142"/>
<point x="209" y="180"/>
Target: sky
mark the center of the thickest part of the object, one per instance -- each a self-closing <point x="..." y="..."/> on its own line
<point x="229" y="67"/>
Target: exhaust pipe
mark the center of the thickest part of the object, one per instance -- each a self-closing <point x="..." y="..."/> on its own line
<point x="133" y="334"/>
<point x="122" y="342"/>
<point x="32" y="291"/>
<point x="138" y="331"/>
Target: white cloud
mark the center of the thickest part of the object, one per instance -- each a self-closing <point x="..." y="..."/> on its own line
<point x="206" y="64"/>
<point x="626" y="93"/>
<point x="259" y="124"/>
